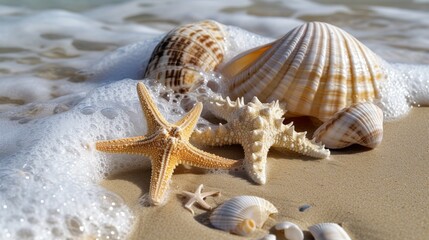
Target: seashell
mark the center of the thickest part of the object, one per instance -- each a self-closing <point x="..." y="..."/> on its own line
<point x="328" y="231"/>
<point x="291" y="230"/>
<point x="269" y="237"/>
<point x="186" y="51"/>
<point x="361" y="123"/>
<point x="242" y="215"/>
<point x="317" y="69"/>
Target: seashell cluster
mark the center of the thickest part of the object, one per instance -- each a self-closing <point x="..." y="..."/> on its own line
<point x="328" y="231"/>
<point x="242" y="215"/>
<point x="317" y="69"/>
<point x="186" y="51"/>
<point x="361" y="123"/>
<point x="291" y="230"/>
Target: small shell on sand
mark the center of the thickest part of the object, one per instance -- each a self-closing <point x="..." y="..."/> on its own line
<point x="328" y="231"/>
<point x="290" y="230"/>
<point x="242" y="215"/>
<point x="361" y="123"/>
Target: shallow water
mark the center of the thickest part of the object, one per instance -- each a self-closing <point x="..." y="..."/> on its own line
<point x="65" y="84"/>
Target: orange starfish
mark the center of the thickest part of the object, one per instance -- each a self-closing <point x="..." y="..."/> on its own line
<point x="167" y="145"/>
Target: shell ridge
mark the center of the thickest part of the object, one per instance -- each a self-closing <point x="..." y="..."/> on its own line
<point x="253" y="70"/>
<point x="290" y="42"/>
<point x="322" y="61"/>
<point x="280" y="84"/>
<point x="297" y="89"/>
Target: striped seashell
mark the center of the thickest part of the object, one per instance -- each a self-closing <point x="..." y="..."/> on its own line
<point x="185" y="52"/>
<point x="317" y="69"/>
<point x="328" y="231"/>
<point x="361" y="123"/>
<point x="291" y="230"/>
<point x="242" y="215"/>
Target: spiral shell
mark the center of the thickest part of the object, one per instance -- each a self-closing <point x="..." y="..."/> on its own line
<point x="185" y="52"/>
<point x="242" y="215"/>
<point x="361" y="123"/>
<point x="328" y="231"/>
<point x="317" y="69"/>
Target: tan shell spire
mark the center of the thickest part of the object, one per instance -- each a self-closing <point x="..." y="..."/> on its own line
<point x="185" y="52"/>
<point x="317" y="69"/>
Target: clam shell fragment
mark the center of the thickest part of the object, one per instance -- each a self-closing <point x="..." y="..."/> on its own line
<point x="317" y="69"/>
<point x="242" y="215"/>
<point x="328" y="231"/>
<point x="185" y="52"/>
<point x="291" y="230"/>
<point x="361" y="123"/>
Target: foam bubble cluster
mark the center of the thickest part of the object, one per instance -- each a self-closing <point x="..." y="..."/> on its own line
<point x="50" y="167"/>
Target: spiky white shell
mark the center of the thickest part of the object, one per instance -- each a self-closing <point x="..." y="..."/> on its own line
<point x="291" y="230"/>
<point x="317" y="69"/>
<point x="328" y="231"/>
<point x="186" y="51"/>
<point x="361" y="123"/>
<point x="242" y="214"/>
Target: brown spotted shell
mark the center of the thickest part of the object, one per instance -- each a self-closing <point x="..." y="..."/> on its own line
<point x="317" y="69"/>
<point x="185" y="52"/>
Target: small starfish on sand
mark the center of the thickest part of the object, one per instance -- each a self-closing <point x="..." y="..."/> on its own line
<point x="167" y="145"/>
<point x="198" y="197"/>
<point x="256" y="126"/>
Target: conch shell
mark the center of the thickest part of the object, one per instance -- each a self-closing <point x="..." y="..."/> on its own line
<point x="317" y="69"/>
<point x="361" y="123"/>
<point x="185" y="52"/>
<point x="242" y="214"/>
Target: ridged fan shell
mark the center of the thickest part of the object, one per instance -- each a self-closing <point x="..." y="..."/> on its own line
<point x="361" y="123"/>
<point x="239" y="213"/>
<point x="328" y="231"/>
<point x="317" y="69"/>
<point x="184" y="52"/>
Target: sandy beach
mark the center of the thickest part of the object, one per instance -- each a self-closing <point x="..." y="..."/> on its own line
<point x="374" y="194"/>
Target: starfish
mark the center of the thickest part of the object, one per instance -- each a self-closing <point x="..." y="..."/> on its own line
<point x="257" y="127"/>
<point x="167" y="145"/>
<point x="198" y="197"/>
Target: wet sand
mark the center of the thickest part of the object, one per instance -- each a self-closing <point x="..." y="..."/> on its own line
<point x="374" y="194"/>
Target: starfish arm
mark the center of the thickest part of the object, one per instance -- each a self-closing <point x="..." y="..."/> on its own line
<point x="255" y="160"/>
<point x="188" y="122"/>
<point x="137" y="145"/>
<point x="212" y="193"/>
<point x="216" y="136"/>
<point x="224" y="108"/>
<point x="297" y="142"/>
<point x="189" y="205"/>
<point x="153" y="117"/>
<point x="199" y="197"/>
<point x="163" y="167"/>
<point x="193" y="156"/>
